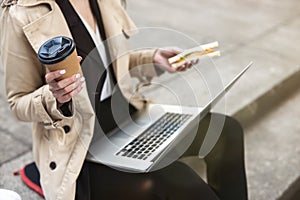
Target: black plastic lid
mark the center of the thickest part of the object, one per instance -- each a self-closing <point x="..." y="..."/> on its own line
<point x="55" y="50"/>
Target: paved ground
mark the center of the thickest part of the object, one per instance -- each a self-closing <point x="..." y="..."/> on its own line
<point x="272" y="150"/>
<point x="266" y="32"/>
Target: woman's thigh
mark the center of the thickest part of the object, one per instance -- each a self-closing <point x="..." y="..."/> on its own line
<point x="225" y="159"/>
<point x="226" y="132"/>
<point x="175" y="182"/>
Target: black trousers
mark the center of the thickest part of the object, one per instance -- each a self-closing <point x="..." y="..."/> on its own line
<point x="225" y="173"/>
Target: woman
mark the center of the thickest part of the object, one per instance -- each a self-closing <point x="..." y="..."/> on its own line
<point x="63" y="117"/>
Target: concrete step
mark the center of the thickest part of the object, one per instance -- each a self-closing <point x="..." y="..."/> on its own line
<point x="266" y="32"/>
<point x="271" y="125"/>
<point x="272" y="149"/>
<point x="265" y="99"/>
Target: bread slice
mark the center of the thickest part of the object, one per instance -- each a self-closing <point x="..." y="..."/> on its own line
<point x="202" y="51"/>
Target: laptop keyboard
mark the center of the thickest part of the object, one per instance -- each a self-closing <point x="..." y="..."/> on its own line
<point x="153" y="137"/>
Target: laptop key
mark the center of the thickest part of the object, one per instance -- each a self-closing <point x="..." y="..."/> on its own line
<point x="154" y="136"/>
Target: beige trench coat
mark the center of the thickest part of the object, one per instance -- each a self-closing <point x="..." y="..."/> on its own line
<point x="59" y="143"/>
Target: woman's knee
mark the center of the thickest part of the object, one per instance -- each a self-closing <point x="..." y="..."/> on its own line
<point x="231" y="139"/>
<point x="231" y="130"/>
<point x="149" y="189"/>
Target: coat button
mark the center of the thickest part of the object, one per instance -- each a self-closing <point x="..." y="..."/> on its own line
<point x="52" y="165"/>
<point x="67" y="129"/>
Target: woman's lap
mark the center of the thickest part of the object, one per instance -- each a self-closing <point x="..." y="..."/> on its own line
<point x="225" y="162"/>
<point x="177" y="181"/>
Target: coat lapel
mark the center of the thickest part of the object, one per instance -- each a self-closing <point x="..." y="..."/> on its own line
<point x="118" y="28"/>
<point x="117" y="24"/>
<point x="50" y="24"/>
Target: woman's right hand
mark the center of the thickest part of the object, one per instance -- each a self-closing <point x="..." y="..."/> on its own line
<point x="64" y="90"/>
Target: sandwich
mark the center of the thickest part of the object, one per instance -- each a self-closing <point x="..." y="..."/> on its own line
<point x="206" y="50"/>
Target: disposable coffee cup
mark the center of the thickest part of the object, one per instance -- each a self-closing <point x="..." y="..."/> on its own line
<point x="59" y="53"/>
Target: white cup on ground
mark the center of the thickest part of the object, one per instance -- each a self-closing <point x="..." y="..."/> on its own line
<point x="9" y="195"/>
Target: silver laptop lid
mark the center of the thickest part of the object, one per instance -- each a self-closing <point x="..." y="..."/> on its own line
<point x="209" y="140"/>
<point x="219" y="96"/>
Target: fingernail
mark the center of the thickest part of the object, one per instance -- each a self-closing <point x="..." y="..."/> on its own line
<point x="82" y="79"/>
<point x="62" y="71"/>
<point x="77" y="76"/>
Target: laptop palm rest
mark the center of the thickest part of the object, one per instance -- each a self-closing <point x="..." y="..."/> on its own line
<point x="103" y="149"/>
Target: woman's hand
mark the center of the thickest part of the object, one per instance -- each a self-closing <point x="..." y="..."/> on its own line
<point x="65" y="89"/>
<point x="161" y="57"/>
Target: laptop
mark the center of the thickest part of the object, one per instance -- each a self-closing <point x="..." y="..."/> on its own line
<point x="140" y="143"/>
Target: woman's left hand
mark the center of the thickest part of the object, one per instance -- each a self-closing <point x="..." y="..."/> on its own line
<point x="161" y="57"/>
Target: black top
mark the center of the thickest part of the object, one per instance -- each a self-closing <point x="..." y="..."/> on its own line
<point x="92" y="65"/>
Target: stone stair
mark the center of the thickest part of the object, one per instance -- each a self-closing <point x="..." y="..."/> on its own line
<point x="264" y="100"/>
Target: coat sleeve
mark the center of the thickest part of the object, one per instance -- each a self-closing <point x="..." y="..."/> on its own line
<point x="141" y="65"/>
<point x="28" y="96"/>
